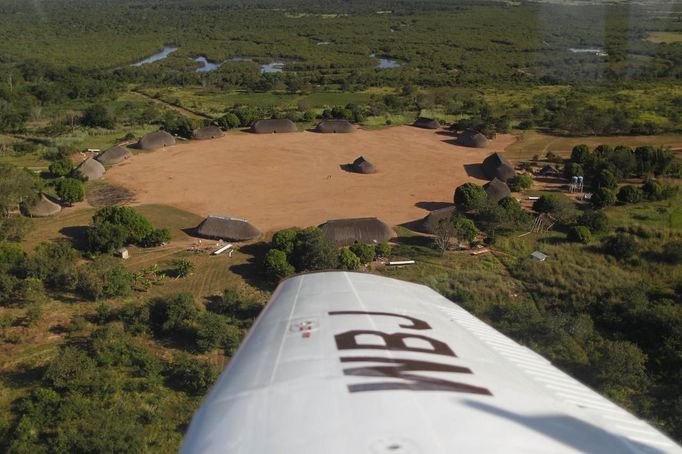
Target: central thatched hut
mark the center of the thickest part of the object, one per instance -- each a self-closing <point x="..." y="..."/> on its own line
<point x="114" y="155"/>
<point x="156" y="140"/>
<point x="426" y="123"/>
<point x="497" y="166"/>
<point x="361" y="165"/>
<point x="44" y="207"/>
<point x="207" y="133"/>
<point x="227" y="228"/>
<point x="472" y="138"/>
<point x="345" y="232"/>
<point x="430" y="221"/>
<point x="90" y="170"/>
<point x="279" y="125"/>
<point x="496" y="190"/>
<point x="335" y="126"/>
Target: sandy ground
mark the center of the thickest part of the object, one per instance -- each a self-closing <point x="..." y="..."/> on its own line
<point x="283" y="180"/>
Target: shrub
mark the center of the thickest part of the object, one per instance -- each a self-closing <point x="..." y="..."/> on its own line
<point x="465" y="229"/>
<point x="106" y="237"/>
<point x="70" y="190"/>
<point x="580" y="153"/>
<point x="558" y="205"/>
<point x="605" y="179"/>
<point x="621" y="246"/>
<point x="135" y="318"/>
<point x="216" y="331"/>
<point x="104" y="278"/>
<point x="364" y="252"/>
<point x="284" y="240"/>
<point x="228" y="121"/>
<point x="60" y="168"/>
<point x="602" y="197"/>
<point x="520" y="182"/>
<point x="136" y="225"/>
<point x="156" y="238"/>
<point x="470" y="196"/>
<point x="573" y="169"/>
<point x="383" y="250"/>
<point x="630" y="194"/>
<point x="596" y="221"/>
<point x="579" y="234"/>
<point x="182" y="268"/>
<point x="672" y="252"/>
<point x="276" y="266"/>
<point x="313" y="251"/>
<point x="653" y="190"/>
<point x="191" y="375"/>
<point x="70" y="369"/>
<point x="348" y="260"/>
<point x="175" y="312"/>
<point x="235" y="305"/>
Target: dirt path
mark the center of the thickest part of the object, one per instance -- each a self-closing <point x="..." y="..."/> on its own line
<point x="182" y="110"/>
<point x="295" y="179"/>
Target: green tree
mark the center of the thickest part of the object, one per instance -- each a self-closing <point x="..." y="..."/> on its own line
<point x="54" y="264"/>
<point x="580" y="154"/>
<point x="60" y="168"/>
<point x="364" y="252"/>
<point x="71" y="369"/>
<point x="157" y="237"/>
<point x="276" y="266"/>
<point x="672" y="252"/>
<point x="558" y="205"/>
<point x="470" y="196"/>
<point x="573" y="169"/>
<point x="465" y="229"/>
<point x="228" y="121"/>
<point x="182" y="267"/>
<point x="383" y="250"/>
<point x="605" y="179"/>
<point x="596" y="221"/>
<point x="136" y="225"/>
<point x="630" y="194"/>
<point x="70" y="190"/>
<point x="621" y="246"/>
<point x="191" y="375"/>
<point x="579" y="234"/>
<point x="173" y="313"/>
<point x="284" y="240"/>
<point x="520" y="182"/>
<point x="620" y="367"/>
<point x="104" y="278"/>
<point x="313" y="251"/>
<point x="16" y="186"/>
<point x="97" y="116"/>
<point x="653" y="190"/>
<point x="215" y="331"/>
<point x="603" y="197"/>
<point x="106" y="237"/>
<point x="348" y="260"/>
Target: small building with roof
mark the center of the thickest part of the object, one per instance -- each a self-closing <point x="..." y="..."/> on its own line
<point x="90" y="170"/>
<point x="497" y="166"/>
<point x="207" y="133"/>
<point x="361" y="165"/>
<point x="539" y="256"/>
<point x="430" y="222"/>
<point x="335" y="126"/>
<point x="227" y="228"/>
<point x="549" y="171"/>
<point x="274" y="126"/>
<point x="344" y="232"/>
<point x="472" y="138"/>
<point x="426" y="123"/>
<point x="44" y="207"/>
<point x="156" y="140"/>
<point x="114" y="155"/>
<point x="496" y="190"/>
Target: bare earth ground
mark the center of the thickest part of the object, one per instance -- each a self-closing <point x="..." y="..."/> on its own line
<point x="283" y="180"/>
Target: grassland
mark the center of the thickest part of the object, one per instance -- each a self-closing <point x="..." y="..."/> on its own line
<point x="665" y="37"/>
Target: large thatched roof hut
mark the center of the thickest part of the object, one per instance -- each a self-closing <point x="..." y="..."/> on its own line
<point x="156" y="140"/>
<point x="207" y="133"/>
<point x="496" y="190"/>
<point x="426" y="123"/>
<point x="44" y="207"/>
<point x="472" y="138"/>
<point x="114" y="155"/>
<point x="497" y="166"/>
<point x="345" y="232"/>
<point x="335" y="126"/>
<point x="280" y="125"/>
<point x="90" y="169"/>
<point x="361" y="165"/>
<point x="430" y="222"/>
<point x="227" y="228"/>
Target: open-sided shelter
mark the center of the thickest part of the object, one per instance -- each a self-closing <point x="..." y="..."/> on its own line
<point x="497" y="166"/>
<point x="207" y="133"/>
<point x="156" y="140"/>
<point x="497" y="190"/>
<point x="114" y="155"/>
<point x="426" y="123"/>
<point x="472" y="138"/>
<point x="90" y="170"/>
<point x="335" y="126"/>
<point x="345" y="232"/>
<point x="227" y="228"/>
<point x="279" y="125"/>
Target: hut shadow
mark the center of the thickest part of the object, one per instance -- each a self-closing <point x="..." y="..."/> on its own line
<point x="347" y="168"/>
<point x="251" y="270"/>
<point x="415" y="226"/>
<point x="77" y="234"/>
<point x="475" y="171"/>
<point x="446" y="133"/>
<point x="432" y="206"/>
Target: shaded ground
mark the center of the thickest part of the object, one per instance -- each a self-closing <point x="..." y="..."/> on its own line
<point x="281" y="180"/>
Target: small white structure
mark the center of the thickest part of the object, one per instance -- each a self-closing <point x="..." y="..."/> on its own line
<point x="539" y="256"/>
<point x="123" y="253"/>
<point x="222" y="249"/>
<point x="401" y="263"/>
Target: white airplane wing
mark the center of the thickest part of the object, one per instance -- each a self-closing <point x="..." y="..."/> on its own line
<point x="353" y="363"/>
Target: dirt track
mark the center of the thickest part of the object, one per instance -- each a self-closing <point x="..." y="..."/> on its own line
<point x="283" y="180"/>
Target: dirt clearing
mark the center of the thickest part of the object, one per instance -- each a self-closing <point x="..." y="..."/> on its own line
<point x="281" y="180"/>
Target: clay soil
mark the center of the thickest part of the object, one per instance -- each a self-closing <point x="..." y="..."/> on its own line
<point x="296" y="179"/>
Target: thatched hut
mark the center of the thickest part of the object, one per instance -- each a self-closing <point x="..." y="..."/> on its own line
<point x="227" y="228"/>
<point x="472" y="138"/>
<point x="361" y="165"/>
<point x="345" y="232"/>
<point x="114" y="155"/>
<point x="497" y="190"/>
<point x="497" y="166"/>
<point x="430" y="222"/>
<point x="549" y="171"/>
<point x="156" y="140"/>
<point x="90" y="170"/>
<point x="279" y="125"/>
<point x="335" y="126"/>
<point x="207" y="133"/>
<point x="44" y="207"/>
<point x="426" y="123"/>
